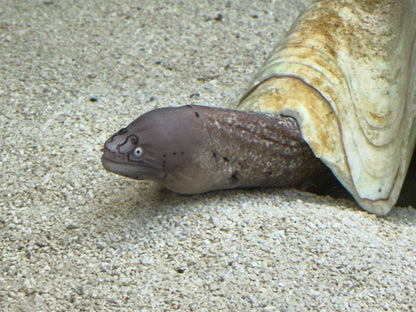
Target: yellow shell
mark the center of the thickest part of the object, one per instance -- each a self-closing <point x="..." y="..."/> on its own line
<point x="347" y="71"/>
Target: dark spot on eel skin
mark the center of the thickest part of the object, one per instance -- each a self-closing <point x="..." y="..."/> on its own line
<point x="196" y="114"/>
<point x="182" y="153"/>
<point x="214" y="154"/>
<point x="226" y="159"/>
<point x="234" y="177"/>
<point x="174" y="153"/>
<point x="164" y="155"/>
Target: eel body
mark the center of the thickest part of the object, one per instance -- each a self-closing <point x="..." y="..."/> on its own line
<point x="194" y="149"/>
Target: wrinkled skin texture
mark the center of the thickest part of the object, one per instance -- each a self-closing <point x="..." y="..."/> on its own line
<point x="195" y="149"/>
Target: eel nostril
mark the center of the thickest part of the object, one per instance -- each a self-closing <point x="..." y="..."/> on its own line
<point x="134" y="139"/>
<point x="121" y="131"/>
<point x="116" y="135"/>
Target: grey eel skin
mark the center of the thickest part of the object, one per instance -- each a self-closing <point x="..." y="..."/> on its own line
<point x="196" y="149"/>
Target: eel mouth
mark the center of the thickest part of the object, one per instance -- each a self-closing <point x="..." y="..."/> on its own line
<point x="112" y="164"/>
<point x="138" y="171"/>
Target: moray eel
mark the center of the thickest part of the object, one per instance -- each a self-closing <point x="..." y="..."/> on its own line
<point x="196" y="149"/>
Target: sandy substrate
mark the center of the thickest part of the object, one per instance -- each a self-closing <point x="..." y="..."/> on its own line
<point x="76" y="238"/>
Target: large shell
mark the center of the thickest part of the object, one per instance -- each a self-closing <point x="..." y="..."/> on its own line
<point x="347" y="71"/>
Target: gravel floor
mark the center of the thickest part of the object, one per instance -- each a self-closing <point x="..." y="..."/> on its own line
<point x="76" y="238"/>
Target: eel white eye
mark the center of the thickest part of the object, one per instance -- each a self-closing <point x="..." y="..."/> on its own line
<point x="138" y="152"/>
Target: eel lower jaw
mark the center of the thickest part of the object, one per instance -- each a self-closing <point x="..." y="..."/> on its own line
<point x="130" y="170"/>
